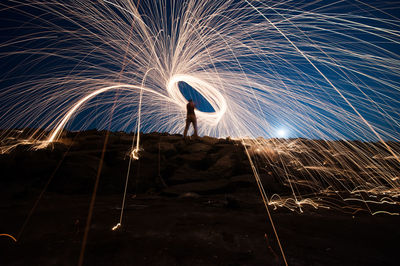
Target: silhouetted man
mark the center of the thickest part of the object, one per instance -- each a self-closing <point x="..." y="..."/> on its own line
<point x="190" y="118"/>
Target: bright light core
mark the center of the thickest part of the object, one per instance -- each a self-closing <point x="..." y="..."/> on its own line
<point x="282" y="133"/>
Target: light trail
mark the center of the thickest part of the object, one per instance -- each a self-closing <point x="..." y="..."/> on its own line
<point x="329" y="81"/>
<point x="60" y="126"/>
<point x="9" y="236"/>
<point x="211" y="94"/>
<point x="265" y="201"/>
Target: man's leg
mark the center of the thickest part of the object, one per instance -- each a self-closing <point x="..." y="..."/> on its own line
<point x="194" y="121"/>
<point x="186" y="127"/>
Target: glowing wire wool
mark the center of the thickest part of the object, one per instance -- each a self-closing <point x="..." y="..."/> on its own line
<point x="211" y="94"/>
<point x="215" y="98"/>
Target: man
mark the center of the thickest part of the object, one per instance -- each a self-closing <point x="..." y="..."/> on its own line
<point x="190" y="118"/>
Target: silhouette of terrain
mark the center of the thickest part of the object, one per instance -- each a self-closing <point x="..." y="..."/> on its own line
<point x="189" y="202"/>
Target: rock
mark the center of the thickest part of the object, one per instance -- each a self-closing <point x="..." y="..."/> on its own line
<point x="167" y="148"/>
<point x="198" y="147"/>
<point x="126" y="139"/>
<point x="224" y="165"/>
<point x="187" y="174"/>
<point x="232" y="203"/>
<point x="189" y="195"/>
<point x="58" y="147"/>
<point x="172" y="138"/>
<point x="209" y="140"/>
<point x="73" y="176"/>
<point x="242" y="180"/>
<point x="194" y="161"/>
<point x="202" y="188"/>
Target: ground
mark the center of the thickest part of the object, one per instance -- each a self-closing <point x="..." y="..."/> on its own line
<point x="182" y="208"/>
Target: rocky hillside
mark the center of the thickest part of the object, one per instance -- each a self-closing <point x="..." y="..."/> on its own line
<point x="192" y="202"/>
<point x="167" y="164"/>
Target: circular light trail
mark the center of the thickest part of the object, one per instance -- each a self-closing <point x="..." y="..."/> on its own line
<point x="211" y="94"/>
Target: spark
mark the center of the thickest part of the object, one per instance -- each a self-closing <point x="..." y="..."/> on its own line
<point x="135" y="154"/>
<point x="385" y="212"/>
<point x="117" y="226"/>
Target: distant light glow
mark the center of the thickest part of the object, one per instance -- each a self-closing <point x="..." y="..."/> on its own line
<point x="282" y="133"/>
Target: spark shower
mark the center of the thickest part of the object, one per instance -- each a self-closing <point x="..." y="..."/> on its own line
<point x="327" y="71"/>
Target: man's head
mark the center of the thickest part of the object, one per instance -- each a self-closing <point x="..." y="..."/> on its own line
<point x="190" y="100"/>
